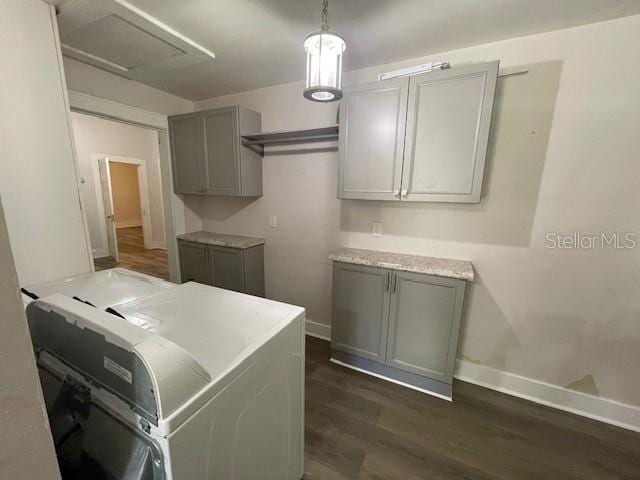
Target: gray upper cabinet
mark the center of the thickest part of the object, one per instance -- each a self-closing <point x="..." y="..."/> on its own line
<point x="208" y="156"/>
<point x="424" y="320"/>
<point x="371" y="140"/>
<point x="360" y="310"/>
<point x="448" y="122"/>
<point x="417" y="138"/>
<point x="186" y="147"/>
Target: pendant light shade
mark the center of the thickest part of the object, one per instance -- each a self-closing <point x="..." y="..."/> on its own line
<point x="324" y="63"/>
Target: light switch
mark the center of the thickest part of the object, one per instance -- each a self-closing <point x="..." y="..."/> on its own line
<point x="273" y="220"/>
<point x="376" y="229"/>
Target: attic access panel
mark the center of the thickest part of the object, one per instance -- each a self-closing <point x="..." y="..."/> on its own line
<point x="116" y="36"/>
<point x="114" y="39"/>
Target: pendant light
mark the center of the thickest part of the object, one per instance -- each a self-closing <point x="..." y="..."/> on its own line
<point x="324" y="62"/>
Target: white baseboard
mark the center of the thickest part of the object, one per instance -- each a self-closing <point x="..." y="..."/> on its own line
<point x="158" y="245"/>
<point x="601" y="409"/>
<point x="597" y="408"/>
<point x="318" y="330"/>
<point x="99" y="253"/>
<point x="134" y="223"/>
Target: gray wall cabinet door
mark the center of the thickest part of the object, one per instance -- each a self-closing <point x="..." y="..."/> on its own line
<point x="360" y="310"/>
<point x="187" y="153"/>
<point x="194" y="263"/>
<point x="448" y="120"/>
<point x="371" y="140"/>
<point x="221" y="144"/>
<point x="424" y="320"/>
<point x="228" y="270"/>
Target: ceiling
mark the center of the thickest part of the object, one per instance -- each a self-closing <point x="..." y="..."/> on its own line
<point x="258" y="43"/>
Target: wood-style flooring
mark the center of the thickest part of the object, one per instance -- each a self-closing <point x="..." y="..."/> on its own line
<point x="134" y="256"/>
<point x="361" y="427"/>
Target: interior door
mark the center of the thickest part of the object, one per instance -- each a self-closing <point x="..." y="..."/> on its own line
<point x="107" y="202"/>
<point x="221" y="143"/>
<point x="424" y="319"/>
<point x="371" y="140"/>
<point x="360" y="310"/>
<point x="448" y="120"/>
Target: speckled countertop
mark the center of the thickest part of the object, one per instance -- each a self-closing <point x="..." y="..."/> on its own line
<point x="222" y="239"/>
<point x="442" y="267"/>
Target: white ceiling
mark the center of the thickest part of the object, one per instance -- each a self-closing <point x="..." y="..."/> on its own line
<point x="258" y="43"/>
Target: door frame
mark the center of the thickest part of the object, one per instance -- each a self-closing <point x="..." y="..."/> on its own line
<point x="143" y="188"/>
<point x="174" y="211"/>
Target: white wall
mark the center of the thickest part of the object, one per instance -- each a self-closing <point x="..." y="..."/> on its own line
<point x="26" y="445"/>
<point x="299" y="189"/>
<point x="563" y="157"/>
<point x="95" y="135"/>
<point x="38" y="176"/>
<point x="88" y="79"/>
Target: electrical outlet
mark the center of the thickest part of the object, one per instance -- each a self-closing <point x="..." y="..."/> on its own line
<point x="376" y="229"/>
<point x="273" y="220"/>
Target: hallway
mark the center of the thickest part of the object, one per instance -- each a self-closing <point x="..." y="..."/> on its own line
<point x="133" y="255"/>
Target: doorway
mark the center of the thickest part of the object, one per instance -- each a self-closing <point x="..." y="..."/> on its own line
<point x="117" y="113"/>
<point x="123" y="194"/>
<point x="126" y="217"/>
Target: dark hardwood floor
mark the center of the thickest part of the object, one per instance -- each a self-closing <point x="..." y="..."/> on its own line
<point x="134" y="256"/>
<point x="360" y="427"/>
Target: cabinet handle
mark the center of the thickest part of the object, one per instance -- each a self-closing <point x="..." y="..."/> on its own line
<point x="396" y="193"/>
<point x="404" y="193"/>
<point x="395" y="283"/>
<point x="386" y="281"/>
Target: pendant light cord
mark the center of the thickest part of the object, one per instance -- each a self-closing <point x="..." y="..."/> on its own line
<point x="325" y="15"/>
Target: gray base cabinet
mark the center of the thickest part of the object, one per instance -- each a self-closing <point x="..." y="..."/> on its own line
<point x="236" y="269"/>
<point x="207" y="154"/>
<point x="401" y="325"/>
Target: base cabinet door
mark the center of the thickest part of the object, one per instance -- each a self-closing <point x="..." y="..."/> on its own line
<point x="360" y="310"/>
<point x="227" y="266"/>
<point x="424" y="320"/>
<point x="194" y="263"/>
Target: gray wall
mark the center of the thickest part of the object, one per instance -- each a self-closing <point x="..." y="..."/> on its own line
<point x="26" y="446"/>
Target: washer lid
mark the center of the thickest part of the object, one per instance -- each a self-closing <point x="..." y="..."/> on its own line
<point x="104" y="289"/>
<point x="219" y="328"/>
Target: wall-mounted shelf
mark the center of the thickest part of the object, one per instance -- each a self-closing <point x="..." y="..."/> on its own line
<point x="290" y="137"/>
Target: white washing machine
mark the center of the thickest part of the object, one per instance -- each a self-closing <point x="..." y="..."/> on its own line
<point x="107" y="288"/>
<point x="184" y="382"/>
